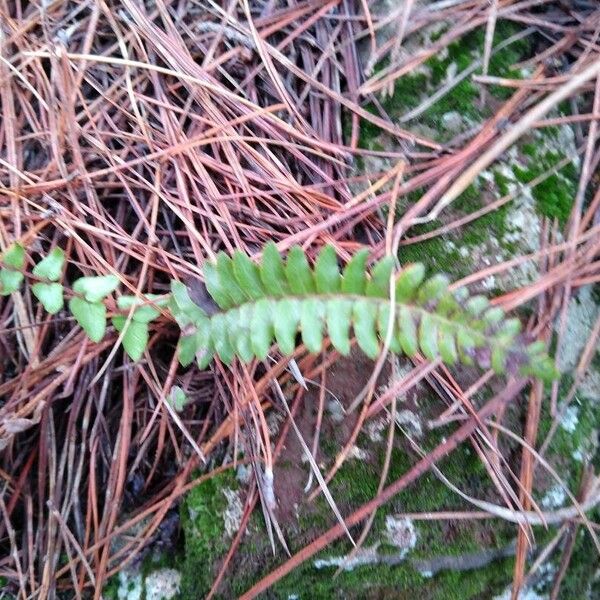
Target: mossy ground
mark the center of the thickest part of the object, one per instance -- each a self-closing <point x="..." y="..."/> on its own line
<point x="534" y="154"/>
<point x="355" y="484"/>
<point x="203" y="529"/>
<point x="201" y="514"/>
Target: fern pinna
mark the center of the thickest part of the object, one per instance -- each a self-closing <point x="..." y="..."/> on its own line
<point x="277" y="300"/>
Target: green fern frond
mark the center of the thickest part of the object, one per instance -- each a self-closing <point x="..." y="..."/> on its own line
<point x="277" y="300"/>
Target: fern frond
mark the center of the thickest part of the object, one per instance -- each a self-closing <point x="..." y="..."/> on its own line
<point x="277" y="300"/>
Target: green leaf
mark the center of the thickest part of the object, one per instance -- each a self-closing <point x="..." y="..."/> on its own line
<point x="339" y="318"/>
<point x="312" y="314"/>
<point x="447" y="305"/>
<point x="144" y="313"/>
<point x="286" y="318"/>
<point x="476" y="305"/>
<point x="498" y="359"/>
<point x="177" y="398"/>
<point x="261" y="328"/>
<point x="215" y="287"/>
<point x="298" y="272"/>
<point x="204" y="356"/>
<point x="543" y="368"/>
<point x="91" y="316"/>
<point x="493" y="315"/>
<point x="379" y="284"/>
<point x="447" y="324"/>
<point x="433" y="289"/>
<point x="511" y="327"/>
<point x="181" y="296"/>
<point x="247" y="275"/>
<point x="220" y="338"/>
<point x="204" y="344"/>
<point x="186" y="349"/>
<point x="408" y="282"/>
<point x="327" y="273"/>
<point x="365" y="317"/>
<point x="536" y="348"/>
<point x="135" y="336"/>
<point x="428" y="333"/>
<point x="466" y="344"/>
<point x="447" y="344"/>
<point x="228" y="280"/>
<point x="354" y="279"/>
<point x="383" y="324"/>
<point x="51" y="266"/>
<point x="272" y="272"/>
<point x="184" y="310"/>
<point x="10" y="281"/>
<point x="14" y="256"/>
<point x="407" y="331"/>
<point x="96" y="288"/>
<point x="240" y="335"/>
<point x="50" y="295"/>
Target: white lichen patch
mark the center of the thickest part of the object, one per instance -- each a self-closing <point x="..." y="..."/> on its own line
<point x="523" y="227"/>
<point x="232" y="515"/>
<point x="542" y="580"/>
<point x="570" y="419"/>
<point x="399" y="372"/>
<point x="375" y="429"/>
<point x="364" y="556"/>
<point x="401" y="533"/>
<point x="358" y="453"/>
<point x="526" y="594"/>
<point x="163" y="584"/>
<point x="130" y="586"/>
<point x="562" y="142"/>
<point x="410" y="423"/>
<point x="590" y="386"/>
<point x="578" y="455"/>
<point x="274" y="420"/>
<point x="453" y="122"/>
<point x="582" y="313"/>
<point x="336" y="410"/>
<point x="555" y="497"/>
<point x="243" y="473"/>
<point x="523" y="221"/>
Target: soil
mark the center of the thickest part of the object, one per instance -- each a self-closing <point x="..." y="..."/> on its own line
<point x="345" y="379"/>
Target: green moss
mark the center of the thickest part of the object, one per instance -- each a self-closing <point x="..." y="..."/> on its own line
<point x="412" y="88"/>
<point x="111" y="589"/>
<point x="502" y="183"/>
<point x="442" y="253"/>
<point x="566" y="442"/>
<point x="398" y="581"/>
<point x="580" y="579"/>
<point x="205" y="542"/>
<point x="356" y="483"/>
<point x="556" y="194"/>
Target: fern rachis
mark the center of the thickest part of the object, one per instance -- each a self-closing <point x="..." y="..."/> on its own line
<point x="276" y="300"/>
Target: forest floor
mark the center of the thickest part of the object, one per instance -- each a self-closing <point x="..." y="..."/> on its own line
<point x="142" y="138"/>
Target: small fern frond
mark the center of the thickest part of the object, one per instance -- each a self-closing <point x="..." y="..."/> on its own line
<point x="277" y="300"/>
